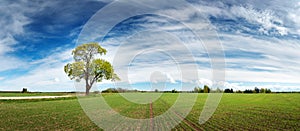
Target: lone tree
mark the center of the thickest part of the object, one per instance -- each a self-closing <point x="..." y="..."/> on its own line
<point x="88" y="68"/>
<point x="206" y="89"/>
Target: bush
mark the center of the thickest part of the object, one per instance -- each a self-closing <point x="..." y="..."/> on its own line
<point x="24" y="90"/>
<point x="239" y="91"/>
<point x="268" y="91"/>
<point x="174" y="91"/>
<point x="228" y="91"/>
<point x="248" y="91"/>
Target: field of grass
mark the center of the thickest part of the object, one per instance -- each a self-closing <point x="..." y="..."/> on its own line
<point x="33" y="94"/>
<point x="235" y="112"/>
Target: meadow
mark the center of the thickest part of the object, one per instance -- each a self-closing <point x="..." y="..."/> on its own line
<point x="9" y="94"/>
<point x="235" y="112"/>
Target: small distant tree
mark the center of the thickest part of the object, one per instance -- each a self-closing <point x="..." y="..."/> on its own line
<point x="201" y="90"/>
<point x="88" y="68"/>
<point x="218" y="90"/>
<point x="174" y="91"/>
<point x="262" y="90"/>
<point x="110" y="90"/>
<point x="196" y="89"/>
<point x="239" y="91"/>
<point x="228" y="91"/>
<point x="24" y="90"/>
<point x="121" y="90"/>
<point x="206" y="89"/>
<point x="268" y="91"/>
<point x="156" y="90"/>
<point x="256" y="90"/>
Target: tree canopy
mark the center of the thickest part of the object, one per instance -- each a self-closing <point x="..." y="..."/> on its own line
<point x="86" y="66"/>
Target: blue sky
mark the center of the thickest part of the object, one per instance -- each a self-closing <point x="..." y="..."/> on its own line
<point x="261" y="42"/>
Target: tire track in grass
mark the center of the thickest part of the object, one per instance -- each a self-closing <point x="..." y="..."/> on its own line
<point x="185" y="121"/>
<point x="162" y="123"/>
<point x="151" y="116"/>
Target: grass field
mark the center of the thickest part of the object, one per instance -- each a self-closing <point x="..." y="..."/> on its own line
<point x="235" y="112"/>
<point x="34" y="94"/>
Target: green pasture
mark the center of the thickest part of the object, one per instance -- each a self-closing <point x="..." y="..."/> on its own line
<point x="235" y="112"/>
<point x="8" y="94"/>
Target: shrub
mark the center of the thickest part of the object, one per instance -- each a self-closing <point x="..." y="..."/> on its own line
<point x="24" y="90"/>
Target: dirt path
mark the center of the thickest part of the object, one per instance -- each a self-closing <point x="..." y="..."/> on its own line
<point x="151" y="116"/>
<point x="32" y="97"/>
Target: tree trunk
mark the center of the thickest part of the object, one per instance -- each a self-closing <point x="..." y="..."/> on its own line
<point x="87" y="90"/>
<point x="87" y="87"/>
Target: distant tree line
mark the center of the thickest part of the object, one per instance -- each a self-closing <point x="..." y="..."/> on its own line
<point x="119" y="90"/>
<point x="255" y="90"/>
<point x="197" y="89"/>
<point x="205" y="89"/>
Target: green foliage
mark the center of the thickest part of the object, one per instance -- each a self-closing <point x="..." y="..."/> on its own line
<point x="24" y="90"/>
<point x="102" y="69"/>
<point x="256" y="90"/>
<point x="262" y="90"/>
<point x="174" y="91"/>
<point x="228" y="91"/>
<point x="198" y="90"/>
<point x="86" y="52"/>
<point x="248" y="91"/>
<point x="89" y="68"/>
<point x="75" y="70"/>
<point x="206" y="89"/>
<point x="239" y="91"/>
<point x="96" y="92"/>
<point x="268" y="91"/>
<point x="110" y="90"/>
<point x="218" y="90"/>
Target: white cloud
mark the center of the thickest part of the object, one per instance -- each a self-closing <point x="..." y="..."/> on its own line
<point x="15" y="15"/>
<point x="203" y="81"/>
<point x="265" y="17"/>
<point x="12" y="23"/>
<point x="47" y="76"/>
<point x="6" y="43"/>
<point x="170" y="78"/>
<point x="267" y="68"/>
<point x="56" y="79"/>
